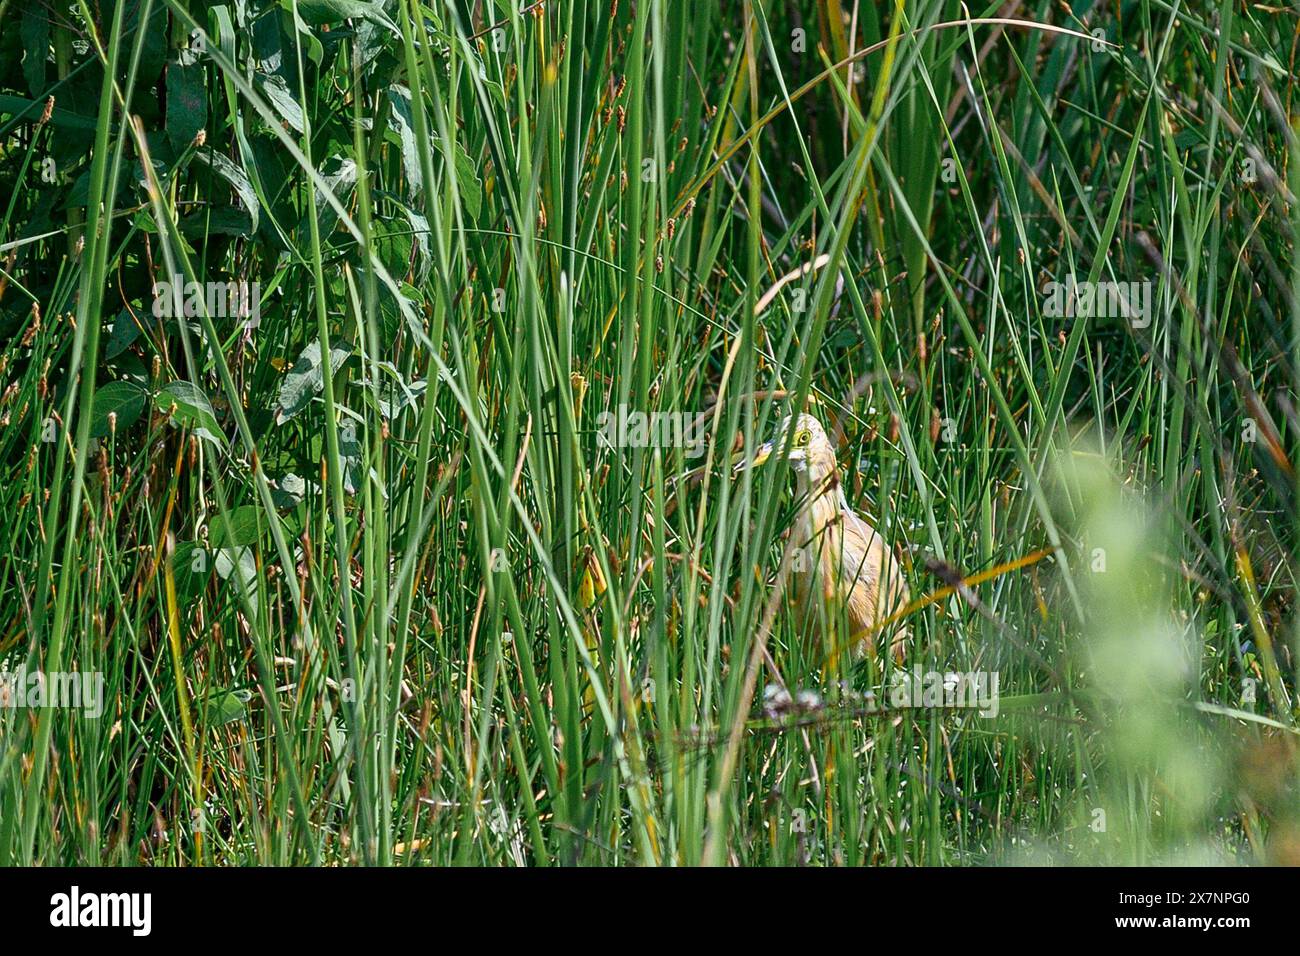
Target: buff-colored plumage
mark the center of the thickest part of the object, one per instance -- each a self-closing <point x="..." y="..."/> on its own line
<point x="842" y="565"/>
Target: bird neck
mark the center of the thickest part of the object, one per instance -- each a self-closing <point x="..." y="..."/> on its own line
<point x="819" y="477"/>
<point x="819" y="486"/>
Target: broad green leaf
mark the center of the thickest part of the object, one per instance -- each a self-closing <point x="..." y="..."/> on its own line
<point x="277" y="92"/>
<point x="340" y="175"/>
<point x="236" y="177"/>
<point x="227" y="706"/>
<point x="230" y="562"/>
<point x="323" y="12"/>
<point x="247" y="523"/>
<point x="399" y="120"/>
<point x="123" y="399"/>
<point x="467" y="181"/>
<point x="220" y="221"/>
<point x="190" y="408"/>
<point x="192" y="567"/>
<point x="187" y="100"/>
<point x="34" y="31"/>
<point x="289" y="490"/>
<point x="305" y="379"/>
<point x="125" y="331"/>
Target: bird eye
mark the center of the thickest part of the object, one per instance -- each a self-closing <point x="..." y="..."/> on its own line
<point x="802" y="438"/>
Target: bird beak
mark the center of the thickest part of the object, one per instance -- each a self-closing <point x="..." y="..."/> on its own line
<point x="761" y="454"/>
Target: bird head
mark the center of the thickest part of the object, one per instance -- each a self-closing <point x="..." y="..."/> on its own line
<point x="809" y="450"/>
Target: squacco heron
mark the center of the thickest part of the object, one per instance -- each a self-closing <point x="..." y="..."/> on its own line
<point x="842" y="561"/>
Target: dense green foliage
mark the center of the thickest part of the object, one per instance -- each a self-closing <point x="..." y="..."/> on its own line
<point x="365" y="585"/>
